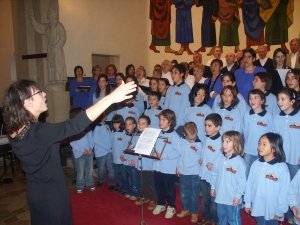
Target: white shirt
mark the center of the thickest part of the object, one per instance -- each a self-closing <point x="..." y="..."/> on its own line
<point x="263" y="61"/>
<point x="293" y="59"/>
<point x="168" y="76"/>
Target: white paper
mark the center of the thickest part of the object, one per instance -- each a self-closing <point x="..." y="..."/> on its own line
<point x="146" y="141"/>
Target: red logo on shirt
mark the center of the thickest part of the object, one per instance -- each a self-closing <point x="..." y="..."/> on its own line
<point x="228" y="118"/>
<point x="177" y="93"/>
<point x="194" y="148"/>
<point x="261" y="123"/>
<point x="120" y="139"/>
<point x="211" y="148"/>
<point x="295" y="126"/>
<point x="131" y="112"/>
<point x="167" y="141"/>
<point x="271" y="177"/>
<point x="231" y="170"/>
<point x="200" y="114"/>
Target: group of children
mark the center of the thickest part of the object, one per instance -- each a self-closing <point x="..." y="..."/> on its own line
<point x="233" y="152"/>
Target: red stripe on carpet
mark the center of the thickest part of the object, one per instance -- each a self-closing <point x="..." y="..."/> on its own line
<point x="104" y="207"/>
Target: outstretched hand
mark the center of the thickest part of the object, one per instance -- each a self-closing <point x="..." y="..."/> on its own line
<point x="123" y="92"/>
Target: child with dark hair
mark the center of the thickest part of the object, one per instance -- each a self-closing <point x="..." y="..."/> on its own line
<point x="227" y="109"/>
<point x="211" y="151"/>
<point x="292" y="79"/>
<point x="266" y="195"/>
<point x="167" y="151"/>
<point x="229" y="179"/>
<point x="198" y="109"/>
<point x="188" y="171"/>
<point x="154" y="109"/>
<point x="257" y="121"/>
<point x="118" y="135"/>
<point x="177" y="95"/>
<point x="263" y="82"/>
<point x="163" y="85"/>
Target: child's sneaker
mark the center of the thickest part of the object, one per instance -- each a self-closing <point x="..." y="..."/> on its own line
<point x="133" y="198"/>
<point x="158" y="209"/>
<point x="194" y="218"/>
<point x="92" y="188"/>
<point x="183" y="213"/>
<point x="151" y="205"/>
<point x="138" y="202"/>
<point x="127" y="196"/>
<point x="170" y="212"/>
<point x="79" y="191"/>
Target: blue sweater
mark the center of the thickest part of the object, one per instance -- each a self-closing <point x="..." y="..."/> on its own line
<point x="288" y="126"/>
<point x="129" y="111"/>
<point x="177" y="99"/>
<point x="254" y="126"/>
<point x="211" y="152"/>
<point x="85" y="142"/>
<point x="170" y="142"/>
<point x="231" y="118"/>
<point x="103" y="140"/>
<point x="294" y="193"/>
<point x="118" y="146"/>
<point x="197" y="114"/>
<point x="153" y="115"/>
<point x="271" y="104"/>
<point x="267" y="189"/>
<point x="213" y="86"/>
<point x="229" y="179"/>
<point x="190" y="154"/>
<point x="244" y="80"/>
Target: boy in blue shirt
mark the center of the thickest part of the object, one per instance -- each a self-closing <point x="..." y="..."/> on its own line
<point x="154" y="109"/>
<point x="212" y="150"/>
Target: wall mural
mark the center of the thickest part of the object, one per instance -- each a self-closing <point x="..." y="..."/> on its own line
<point x="265" y="22"/>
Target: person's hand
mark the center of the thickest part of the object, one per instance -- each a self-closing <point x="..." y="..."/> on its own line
<point x="236" y="201"/>
<point x="123" y="92"/>
<point x="122" y="157"/>
<point x="296" y="213"/>
<point x="209" y="166"/>
<point x="276" y="217"/>
<point x="248" y="210"/>
<point x="213" y="193"/>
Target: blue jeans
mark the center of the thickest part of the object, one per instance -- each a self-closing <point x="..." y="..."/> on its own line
<point x="189" y="192"/>
<point x="121" y="178"/>
<point x="249" y="159"/>
<point x="228" y="214"/>
<point x="132" y="181"/>
<point x="106" y="162"/>
<point x="84" y="171"/>
<point x="260" y="220"/>
<point x="209" y="207"/>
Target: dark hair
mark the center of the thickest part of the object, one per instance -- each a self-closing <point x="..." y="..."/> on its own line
<point x="251" y="51"/>
<point x="147" y="118"/>
<point x="215" y="118"/>
<point x="117" y="118"/>
<point x="186" y="65"/>
<point x="15" y="115"/>
<point x="230" y="75"/>
<point x="261" y="95"/>
<point x="296" y="73"/>
<point x="174" y="62"/>
<point x="293" y="95"/>
<point x="274" y="57"/>
<point x="276" y="143"/>
<point x="76" y="68"/>
<point x="107" y="90"/>
<point x="234" y="93"/>
<point x="155" y="93"/>
<point x="169" y="115"/>
<point x="181" y="68"/>
<point x="130" y="118"/>
<point x="266" y="78"/>
<point x="219" y="61"/>
<point x="194" y="91"/>
<point x="167" y="82"/>
<point x="111" y="65"/>
<point x="120" y="75"/>
<point x="128" y="67"/>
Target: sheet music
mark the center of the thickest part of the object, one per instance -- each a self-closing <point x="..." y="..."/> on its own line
<point x="147" y="141"/>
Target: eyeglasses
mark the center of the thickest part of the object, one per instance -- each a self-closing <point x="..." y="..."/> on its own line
<point x="38" y="92"/>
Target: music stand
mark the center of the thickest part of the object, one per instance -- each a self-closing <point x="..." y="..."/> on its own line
<point x="152" y="155"/>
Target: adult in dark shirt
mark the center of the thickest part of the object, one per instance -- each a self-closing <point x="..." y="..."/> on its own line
<point x="231" y="66"/>
<point x="267" y="63"/>
<point x="36" y="145"/>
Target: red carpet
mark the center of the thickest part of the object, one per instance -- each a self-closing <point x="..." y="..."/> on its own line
<point x="103" y="207"/>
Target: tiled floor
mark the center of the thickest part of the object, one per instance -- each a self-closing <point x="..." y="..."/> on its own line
<point x="13" y="203"/>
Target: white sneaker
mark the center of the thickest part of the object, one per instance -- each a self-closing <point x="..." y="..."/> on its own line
<point x="158" y="209"/>
<point x="170" y="212"/>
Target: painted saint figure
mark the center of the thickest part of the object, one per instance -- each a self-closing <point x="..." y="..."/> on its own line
<point x="160" y="16"/>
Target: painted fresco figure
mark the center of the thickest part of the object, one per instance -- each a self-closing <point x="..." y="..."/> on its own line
<point x="278" y="17"/>
<point x="253" y="24"/>
<point x="230" y="20"/>
<point x="184" y="27"/>
<point x="208" y="28"/>
<point x="160" y="16"/>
